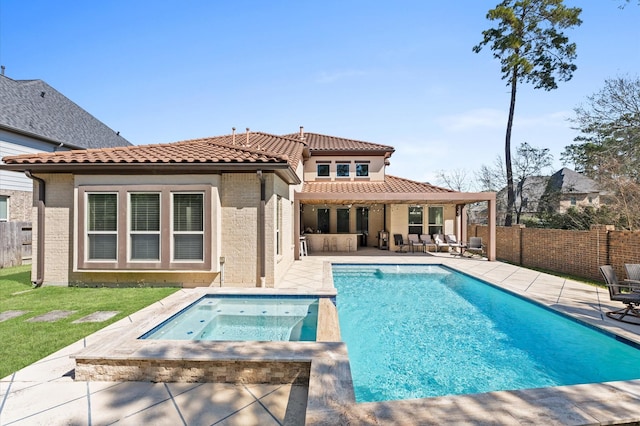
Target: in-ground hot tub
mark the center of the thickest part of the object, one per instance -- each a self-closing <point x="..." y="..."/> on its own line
<point x="242" y="318"/>
<point x="229" y="346"/>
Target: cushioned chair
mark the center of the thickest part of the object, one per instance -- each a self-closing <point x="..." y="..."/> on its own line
<point x="475" y="245"/>
<point x="440" y="242"/>
<point x="415" y="242"/>
<point x="453" y="242"/>
<point x="621" y="293"/>
<point x="427" y="242"/>
<point x="400" y="243"/>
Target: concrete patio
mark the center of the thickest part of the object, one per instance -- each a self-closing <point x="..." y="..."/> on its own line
<point x="45" y="392"/>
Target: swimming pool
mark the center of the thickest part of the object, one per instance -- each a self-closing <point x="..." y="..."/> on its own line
<point x="242" y="318"/>
<point x="416" y="331"/>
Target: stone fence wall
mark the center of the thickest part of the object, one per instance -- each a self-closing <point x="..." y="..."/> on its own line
<point x="577" y="253"/>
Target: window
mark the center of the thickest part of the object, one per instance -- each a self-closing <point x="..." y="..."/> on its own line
<point x="102" y="226"/>
<point x="415" y="220"/>
<point x="323" y="220"/>
<point x="279" y="225"/>
<point x="436" y="220"/>
<point x="323" y="170"/>
<point x="343" y="220"/>
<point x="342" y="170"/>
<point x="573" y="201"/>
<point x="188" y="227"/>
<point x="4" y="208"/>
<point x="362" y="169"/>
<point x="144" y="227"/>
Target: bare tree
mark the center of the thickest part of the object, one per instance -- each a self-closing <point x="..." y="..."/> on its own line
<point x="455" y="179"/>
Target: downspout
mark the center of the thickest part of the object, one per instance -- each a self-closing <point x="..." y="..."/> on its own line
<point x="262" y="246"/>
<point x="40" y="221"/>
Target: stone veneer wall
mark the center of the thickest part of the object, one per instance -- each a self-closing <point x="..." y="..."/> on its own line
<point x="191" y="371"/>
<point x="577" y="253"/>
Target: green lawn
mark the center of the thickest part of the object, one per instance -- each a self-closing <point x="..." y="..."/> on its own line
<point x="22" y="343"/>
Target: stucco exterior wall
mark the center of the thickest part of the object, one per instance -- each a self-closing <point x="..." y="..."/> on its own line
<point x="376" y="168"/>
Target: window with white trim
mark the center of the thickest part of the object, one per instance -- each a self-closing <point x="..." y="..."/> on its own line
<point x="362" y="169"/>
<point x="279" y="225"/>
<point x="102" y="226"/>
<point x="4" y="208"/>
<point x="144" y="227"/>
<point x="436" y="220"/>
<point x="188" y="226"/>
<point x="342" y="169"/>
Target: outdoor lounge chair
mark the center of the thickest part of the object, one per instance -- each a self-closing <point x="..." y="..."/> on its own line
<point x="452" y="240"/>
<point x="415" y="242"/>
<point x="631" y="299"/>
<point x="440" y="241"/>
<point x="475" y="245"/>
<point x="427" y="241"/>
<point x="400" y="243"/>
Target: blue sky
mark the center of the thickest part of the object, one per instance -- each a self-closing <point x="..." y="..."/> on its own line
<point x="398" y="73"/>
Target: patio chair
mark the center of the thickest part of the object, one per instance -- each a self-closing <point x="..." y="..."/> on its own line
<point x="633" y="275"/>
<point x="415" y="242"/>
<point x="428" y="242"/>
<point x="475" y="245"/>
<point x="452" y="240"/>
<point x="440" y="242"/>
<point x="400" y="243"/>
<point x="616" y="293"/>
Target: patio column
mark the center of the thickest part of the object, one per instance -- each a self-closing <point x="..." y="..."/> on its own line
<point x="491" y="222"/>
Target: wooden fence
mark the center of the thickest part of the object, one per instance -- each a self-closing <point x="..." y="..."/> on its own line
<point x="15" y="243"/>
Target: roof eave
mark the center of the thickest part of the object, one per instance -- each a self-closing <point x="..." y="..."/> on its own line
<point x="394" y="197"/>
<point x="39" y="137"/>
<point x="281" y="169"/>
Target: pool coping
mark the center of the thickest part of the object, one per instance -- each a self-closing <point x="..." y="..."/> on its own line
<point x="331" y="398"/>
<point x="615" y="402"/>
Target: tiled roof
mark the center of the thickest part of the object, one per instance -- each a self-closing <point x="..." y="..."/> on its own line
<point x="34" y="107"/>
<point x="391" y="184"/>
<point x="317" y="142"/>
<point x="261" y="148"/>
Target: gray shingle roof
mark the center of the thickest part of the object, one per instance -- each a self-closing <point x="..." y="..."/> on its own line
<point x="35" y="108"/>
<point x="568" y="181"/>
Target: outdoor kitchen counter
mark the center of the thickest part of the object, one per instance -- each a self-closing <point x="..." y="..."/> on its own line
<point x="317" y="243"/>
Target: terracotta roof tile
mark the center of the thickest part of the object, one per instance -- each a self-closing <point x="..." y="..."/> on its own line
<point x="261" y="148"/>
<point x="391" y="184"/>
<point x="317" y="142"/>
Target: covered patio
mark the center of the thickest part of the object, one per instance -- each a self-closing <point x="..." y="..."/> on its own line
<point x="360" y="211"/>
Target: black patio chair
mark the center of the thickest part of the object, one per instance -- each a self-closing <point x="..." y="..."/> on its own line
<point x="621" y="293"/>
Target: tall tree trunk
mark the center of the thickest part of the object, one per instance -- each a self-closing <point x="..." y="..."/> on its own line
<point x="508" y="220"/>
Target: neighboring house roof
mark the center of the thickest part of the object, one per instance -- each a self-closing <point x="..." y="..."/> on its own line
<point x="568" y="181"/>
<point x="252" y="150"/>
<point x="34" y="108"/>
<point x="323" y="144"/>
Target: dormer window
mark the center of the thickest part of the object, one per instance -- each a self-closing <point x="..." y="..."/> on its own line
<point x="342" y="170"/>
<point x="362" y="169"/>
<point x="323" y="170"/>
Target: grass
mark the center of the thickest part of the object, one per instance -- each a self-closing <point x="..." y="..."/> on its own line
<point x="22" y="342"/>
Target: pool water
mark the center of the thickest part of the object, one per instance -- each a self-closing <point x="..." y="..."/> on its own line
<point x="416" y="331"/>
<point x="242" y="318"/>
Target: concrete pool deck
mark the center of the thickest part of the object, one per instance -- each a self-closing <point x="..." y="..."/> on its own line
<point x="45" y="392"/>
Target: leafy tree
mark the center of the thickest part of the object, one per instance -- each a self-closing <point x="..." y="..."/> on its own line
<point x="529" y="42"/>
<point x="608" y="148"/>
